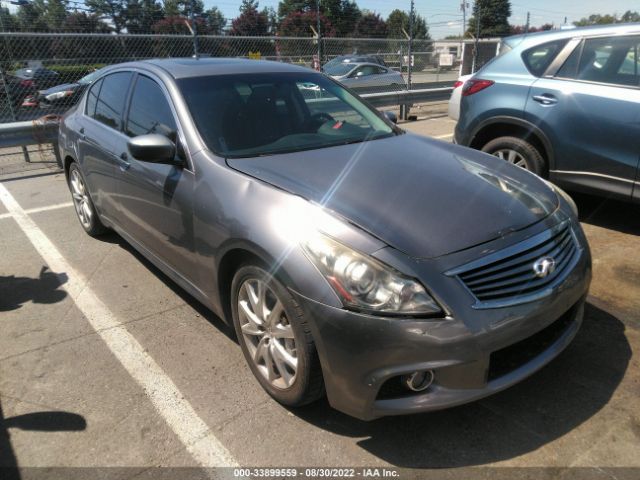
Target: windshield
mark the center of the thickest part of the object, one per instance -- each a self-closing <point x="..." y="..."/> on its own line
<point x="338" y="69"/>
<point x="263" y="114"/>
<point x="87" y="79"/>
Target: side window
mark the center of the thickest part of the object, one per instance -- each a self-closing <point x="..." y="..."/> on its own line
<point x="149" y="111"/>
<point x="92" y="99"/>
<point x="110" y="104"/>
<point x="538" y="58"/>
<point x="612" y="60"/>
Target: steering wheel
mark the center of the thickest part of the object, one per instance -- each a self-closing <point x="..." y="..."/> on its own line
<point x="316" y="120"/>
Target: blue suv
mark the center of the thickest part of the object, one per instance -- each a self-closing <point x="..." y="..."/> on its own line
<point x="563" y="104"/>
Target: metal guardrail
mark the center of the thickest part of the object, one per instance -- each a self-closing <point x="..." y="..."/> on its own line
<point x="407" y="97"/>
<point x="45" y="130"/>
<point x="35" y="132"/>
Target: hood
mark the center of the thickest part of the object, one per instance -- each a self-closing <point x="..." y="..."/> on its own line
<point x="423" y="197"/>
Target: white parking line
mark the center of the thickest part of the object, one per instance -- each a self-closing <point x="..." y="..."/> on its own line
<point x="440" y="137"/>
<point x="192" y="431"/>
<point x="40" y="209"/>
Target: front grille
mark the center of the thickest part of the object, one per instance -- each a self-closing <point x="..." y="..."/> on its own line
<point x="508" y="359"/>
<point x="509" y="274"/>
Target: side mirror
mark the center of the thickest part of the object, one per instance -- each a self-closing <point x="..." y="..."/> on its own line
<point x="152" y="148"/>
<point x="392" y="117"/>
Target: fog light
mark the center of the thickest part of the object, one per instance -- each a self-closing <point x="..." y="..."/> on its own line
<point x="418" y="381"/>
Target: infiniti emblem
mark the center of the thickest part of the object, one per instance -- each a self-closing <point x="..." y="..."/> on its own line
<point x="544" y="267"/>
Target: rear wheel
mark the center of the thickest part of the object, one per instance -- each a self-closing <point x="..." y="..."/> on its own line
<point x="85" y="209"/>
<point x="518" y="152"/>
<point x="275" y="338"/>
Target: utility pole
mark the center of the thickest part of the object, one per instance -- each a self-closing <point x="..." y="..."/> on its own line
<point x="526" y="26"/>
<point x="410" y="47"/>
<point x="463" y="6"/>
<point x="478" y="15"/>
<point x="319" y="35"/>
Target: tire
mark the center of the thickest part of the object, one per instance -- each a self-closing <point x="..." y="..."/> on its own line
<point x="85" y="210"/>
<point x="519" y="152"/>
<point x="306" y="384"/>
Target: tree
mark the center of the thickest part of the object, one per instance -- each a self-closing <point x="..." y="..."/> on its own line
<point x="494" y="18"/>
<point x="299" y="24"/>
<point x="598" y="19"/>
<point x="215" y="21"/>
<point x="82" y="22"/>
<point x="142" y="15"/>
<point x="9" y="22"/>
<point x="250" y="21"/>
<point x="519" y="29"/>
<point x="342" y="14"/>
<point x="31" y="17"/>
<point x="113" y="9"/>
<point x="370" y="25"/>
<point x="398" y="24"/>
<point x="174" y="8"/>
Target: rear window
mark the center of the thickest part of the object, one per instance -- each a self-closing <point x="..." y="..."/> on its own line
<point x="538" y="58"/>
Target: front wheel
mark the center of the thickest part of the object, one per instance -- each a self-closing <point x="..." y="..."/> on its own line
<point x="518" y="152"/>
<point x="275" y="338"/>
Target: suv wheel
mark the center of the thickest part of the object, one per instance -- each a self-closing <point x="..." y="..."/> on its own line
<point x="518" y="152"/>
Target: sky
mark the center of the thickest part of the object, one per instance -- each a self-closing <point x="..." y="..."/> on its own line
<point x="445" y="17"/>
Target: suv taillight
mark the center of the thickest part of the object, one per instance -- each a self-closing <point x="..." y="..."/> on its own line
<point x="475" y="85"/>
<point x="26" y="83"/>
<point x="457" y="84"/>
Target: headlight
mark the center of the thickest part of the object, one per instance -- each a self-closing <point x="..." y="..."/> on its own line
<point x="564" y="196"/>
<point x="59" y="95"/>
<point x="366" y="284"/>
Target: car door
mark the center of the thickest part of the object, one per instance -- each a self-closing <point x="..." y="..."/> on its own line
<point x="590" y="110"/>
<point x="155" y="199"/>
<point x="100" y="136"/>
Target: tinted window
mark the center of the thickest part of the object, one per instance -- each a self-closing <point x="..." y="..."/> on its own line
<point x="149" y="111"/>
<point x="261" y="114"/>
<point x="611" y="60"/>
<point x="92" y="98"/>
<point x="112" y="98"/>
<point x="366" y="70"/>
<point x="538" y="59"/>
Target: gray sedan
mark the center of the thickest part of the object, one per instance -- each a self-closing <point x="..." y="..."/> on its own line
<point x="396" y="273"/>
<point x="369" y="76"/>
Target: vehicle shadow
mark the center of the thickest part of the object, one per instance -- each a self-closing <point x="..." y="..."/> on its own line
<point x="203" y="311"/>
<point x="53" y="421"/>
<point x="608" y="213"/>
<point x="548" y="405"/>
<point x="16" y="291"/>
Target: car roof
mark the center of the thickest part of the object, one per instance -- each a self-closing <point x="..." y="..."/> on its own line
<point x="532" y="39"/>
<point x="196" y="67"/>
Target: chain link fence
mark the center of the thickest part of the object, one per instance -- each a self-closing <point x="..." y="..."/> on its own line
<point x="42" y="73"/>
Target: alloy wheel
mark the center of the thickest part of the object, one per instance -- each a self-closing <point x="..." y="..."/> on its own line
<point x="512" y="156"/>
<point x="81" y="199"/>
<point x="267" y="333"/>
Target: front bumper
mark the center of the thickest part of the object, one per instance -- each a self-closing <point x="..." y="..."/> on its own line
<point x="362" y="354"/>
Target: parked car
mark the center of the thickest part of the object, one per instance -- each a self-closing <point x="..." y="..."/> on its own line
<point x="24" y="82"/>
<point x="61" y="96"/>
<point x="394" y="272"/>
<point x="367" y="76"/>
<point x="376" y="59"/>
<point x="456" y="95"/>
<point x="563" y="104"/>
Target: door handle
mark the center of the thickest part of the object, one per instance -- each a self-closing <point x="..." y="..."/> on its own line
<point x="545" y="99"/>
<point x="81" y="132"/>
<point x="124" y="163"/>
